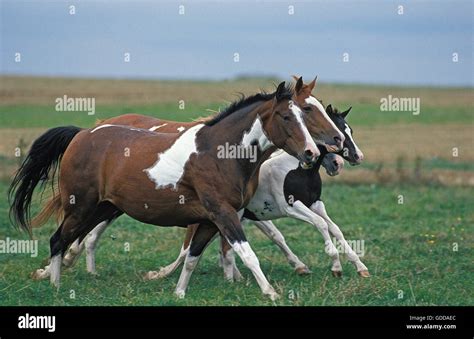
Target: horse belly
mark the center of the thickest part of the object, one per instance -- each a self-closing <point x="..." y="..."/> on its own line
<point x="264" y="207"/>
<point x="161" y="209"/>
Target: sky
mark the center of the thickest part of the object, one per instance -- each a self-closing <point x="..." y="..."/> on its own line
<point x="383" y="47"/>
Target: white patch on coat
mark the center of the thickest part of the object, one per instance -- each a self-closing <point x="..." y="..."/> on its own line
<point x="169" y="167"/>
<point x="154" y="128"/>
<point x="181" y="128"/>
<point x="102" y="126"/>
<point x="257" y="133"/>
<point x="349" y="134"/>
<point x="109" y="125"/>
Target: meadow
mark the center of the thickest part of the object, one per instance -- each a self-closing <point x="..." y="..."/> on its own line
<point x="419" y="252"/>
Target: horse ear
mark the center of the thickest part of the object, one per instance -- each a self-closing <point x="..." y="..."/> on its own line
<point x="280" y="90"/>
<point x="312" y="84"/>
<point x="295" y="77"/>
<point x="329" y="109"/>
<point x="299" y="85"/>
<point x="346" y="112"/>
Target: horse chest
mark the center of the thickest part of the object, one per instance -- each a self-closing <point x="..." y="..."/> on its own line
<point x="302" y="185"/>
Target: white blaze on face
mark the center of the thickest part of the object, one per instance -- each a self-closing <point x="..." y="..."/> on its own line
<point x="256" y="133"/>
<point x="313" y="101"/>
<point x="349" y="134"/>
<point x="154" y="128"/>
<point x="169" y="167"/>
<point x="299" y="118"/>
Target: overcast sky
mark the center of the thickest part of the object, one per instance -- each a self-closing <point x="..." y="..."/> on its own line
<point x="383" y="46"/>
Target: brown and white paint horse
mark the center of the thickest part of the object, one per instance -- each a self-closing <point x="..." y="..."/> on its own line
<point x="284" y="190"/>
<point x="320" y="126"/>
<point x="110" y="170"/>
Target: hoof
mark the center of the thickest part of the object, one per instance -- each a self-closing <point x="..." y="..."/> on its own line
<point x="39" y="274"/>
<point x="229" y="279"/>
<point x="238" y="277"/>
<point x="364" y="274"/>
<point x="180" y="294"/>
<point x="303" y="270"/>
<point x="337" y="274"/>
<point x="274" y="296"/>
<point x="150" y="275"/>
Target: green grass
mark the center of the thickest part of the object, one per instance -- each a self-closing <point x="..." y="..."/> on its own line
<point x="28" y="116"/>
<point x="409" y="251"/>
<point x="15" y="116"/>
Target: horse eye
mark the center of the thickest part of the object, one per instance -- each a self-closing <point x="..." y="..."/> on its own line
<point x="286" y="117"/>
<point x="307" y="109"/>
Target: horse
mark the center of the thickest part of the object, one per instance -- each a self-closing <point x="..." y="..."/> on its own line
<point x="284" y="190"/>
<point x="301" y="185"/>
<point x="181" y="180"/>
<point x="320" y="126"/>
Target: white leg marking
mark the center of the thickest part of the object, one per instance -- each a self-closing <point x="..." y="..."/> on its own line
<point x="247" y="255"/>
<point x="90" y="244"/>
<point x="300" y="211"/>
<point x="73" y="253"/>
<point x="231" y="272"/>
<point x="319" y="208"/>
<point x="189" y="265"/>
<point x="167" y="270"/>
<point x="272" y="232"/>
<point x="55" y="269"/>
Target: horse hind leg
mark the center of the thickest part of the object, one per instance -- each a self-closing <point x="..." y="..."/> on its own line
<point x="227" y="261"/>
<point x="89" y="243"/>
<point x="72" y="228"/>
<point x="169" y="269"/>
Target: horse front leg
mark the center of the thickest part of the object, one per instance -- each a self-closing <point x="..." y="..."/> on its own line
<point x="301" y="212"/>
<point x="274" y="234"/>
<point x="227" y="220"/>
<point x="319" y="208"/>
<point x="203" y="235"/>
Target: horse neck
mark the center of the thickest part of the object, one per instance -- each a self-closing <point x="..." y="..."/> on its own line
<point x="319" y="162"/>
<point x="241" y="128"/>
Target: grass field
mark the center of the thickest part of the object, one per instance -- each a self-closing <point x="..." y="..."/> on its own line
<point x="410" y="249"/>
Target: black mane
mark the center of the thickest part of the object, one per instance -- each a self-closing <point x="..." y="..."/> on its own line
<point x="247" y="101"/>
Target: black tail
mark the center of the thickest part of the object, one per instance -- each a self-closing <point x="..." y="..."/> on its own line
<point x="40" y="165"/>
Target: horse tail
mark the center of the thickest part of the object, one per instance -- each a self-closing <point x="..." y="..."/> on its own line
<point x="52" y="207"/>
<point x="40" y="165"/>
